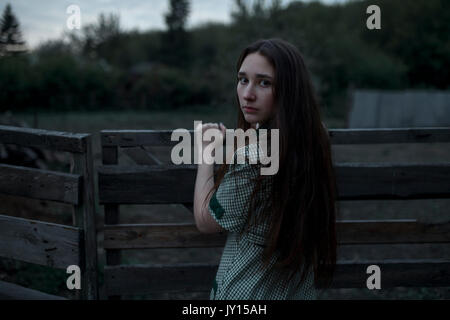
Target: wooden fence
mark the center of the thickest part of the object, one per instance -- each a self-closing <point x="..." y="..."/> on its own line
<point x="53" y="245"/>
<point x="151" y="182"/>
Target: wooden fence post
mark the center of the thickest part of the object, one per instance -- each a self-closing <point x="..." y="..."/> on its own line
<point x="85" y="218"/>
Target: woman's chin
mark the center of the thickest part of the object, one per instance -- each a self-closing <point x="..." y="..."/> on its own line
<point x="252" y="120"/>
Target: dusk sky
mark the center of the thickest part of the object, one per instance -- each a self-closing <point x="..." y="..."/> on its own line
<point x="44" y="20"/>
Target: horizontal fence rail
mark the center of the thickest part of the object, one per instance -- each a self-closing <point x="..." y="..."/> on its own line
<point x="40" y="184"/>
<point x="395" y="273"/>
<point x="186" y="235"/>
<point x="163" y="184"/>
<point x="389" y="135"/>
<point x="160" y="138"/>
<point x="141" y="279"/>
<point x="39" y="242"/>
<point x="39" y="138"/>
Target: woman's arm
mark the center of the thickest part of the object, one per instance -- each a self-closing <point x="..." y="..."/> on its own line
<point x="204" y="182"/>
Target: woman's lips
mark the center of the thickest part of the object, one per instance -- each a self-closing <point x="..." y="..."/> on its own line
<point x="250" y="109"/>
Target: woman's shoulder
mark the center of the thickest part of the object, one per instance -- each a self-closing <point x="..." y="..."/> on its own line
<point x="248" y="153"/>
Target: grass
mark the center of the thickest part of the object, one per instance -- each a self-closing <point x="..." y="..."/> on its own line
<point x="36" y="277"/>
<point x="93" y="122"/>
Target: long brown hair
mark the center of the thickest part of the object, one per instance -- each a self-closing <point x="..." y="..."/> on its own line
<point x="302" y="212"/>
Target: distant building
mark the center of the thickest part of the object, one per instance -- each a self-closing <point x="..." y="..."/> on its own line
<point x="399" y="109"/>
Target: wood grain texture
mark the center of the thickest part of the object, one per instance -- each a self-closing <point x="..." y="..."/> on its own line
<point x="356" y="181"/>
<point x="141" y="279"/>
<point x="135" y="279"/>
<point x="38" y="138"/>
<point x="134" y="138"/>
<point x="186" y="235"/>
<point x="141" y="156"/>
<point x="395" y="273"/>
<point x="389" y="135"/>
<point x="168" y="235"/>
<point x="40" y="184"/>
<point x="85" y="219"/>
<point x="146" y="184"/>
<point x="39" y="242"/>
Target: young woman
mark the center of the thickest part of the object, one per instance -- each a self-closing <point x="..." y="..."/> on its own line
<point x="281" y="241"/>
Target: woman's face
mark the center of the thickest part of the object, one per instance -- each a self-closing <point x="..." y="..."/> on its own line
<point x="255" y="89"/>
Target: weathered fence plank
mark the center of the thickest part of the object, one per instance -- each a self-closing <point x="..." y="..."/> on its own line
<point x="186" y="235"/>
<point x="141" y="156"/>
<point x="38" y="138"/>
<point x="175" y="235"/>
<point x="391" y="232"/>
<point x="39" y="184"/>
<point x="393" y="181"/>
<point x="141" y="279"/>
<point x="135" y="279"/>
<point x="160" y="138"/>
<point x="395" y="273"/>
<point x="135" y="138"/>
<point x="39" y="242"/>
<point x="356" y="181"/>
<point x="387" y="135"/>
<point x="146" y="184"/>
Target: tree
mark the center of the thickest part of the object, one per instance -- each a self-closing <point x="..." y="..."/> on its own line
<point x="177" y="16"/>
<point x="10" y="35"/>
<point x="175" y="44"/>
<point x="256" y="19"/>
<point x="243" y="11"/>
<point x="92" y="38"/>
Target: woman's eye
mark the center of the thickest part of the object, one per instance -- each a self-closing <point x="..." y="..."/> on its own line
<point x="265" y="83"/>
<point x="242" y="80"/>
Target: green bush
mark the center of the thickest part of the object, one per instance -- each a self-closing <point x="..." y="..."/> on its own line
<point x="166" y="87"/>
<point x="16" y="83"/>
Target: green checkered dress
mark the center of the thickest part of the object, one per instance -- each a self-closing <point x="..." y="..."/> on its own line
<point x="239" y="276"/>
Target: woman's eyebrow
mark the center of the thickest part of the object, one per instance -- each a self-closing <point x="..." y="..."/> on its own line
<point x="258" y="75"/>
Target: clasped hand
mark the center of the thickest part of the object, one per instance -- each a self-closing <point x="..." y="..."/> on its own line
<point x="204" y="133"/>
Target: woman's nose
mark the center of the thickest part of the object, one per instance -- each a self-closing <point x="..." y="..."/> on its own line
<point x="249" y="93"/>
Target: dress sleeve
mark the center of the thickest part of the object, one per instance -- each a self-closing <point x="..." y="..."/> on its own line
<point x="229" y="203"/>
